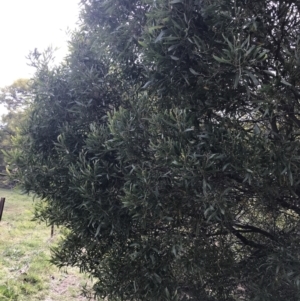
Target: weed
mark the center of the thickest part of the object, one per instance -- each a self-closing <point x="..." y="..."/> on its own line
<point x="7" y="293"/>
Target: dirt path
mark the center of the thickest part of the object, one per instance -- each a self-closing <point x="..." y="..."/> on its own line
<point x="66" y="287"/>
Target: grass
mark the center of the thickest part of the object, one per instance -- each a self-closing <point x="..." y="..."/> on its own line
<point x="25" y="271"/>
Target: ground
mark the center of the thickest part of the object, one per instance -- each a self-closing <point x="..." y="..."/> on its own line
<point x="25" y="270"/>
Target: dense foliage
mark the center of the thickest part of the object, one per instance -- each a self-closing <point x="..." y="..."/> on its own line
<point x="167" y="144"/>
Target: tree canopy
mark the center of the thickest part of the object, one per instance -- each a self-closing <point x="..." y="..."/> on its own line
<point x="167" y="143"/>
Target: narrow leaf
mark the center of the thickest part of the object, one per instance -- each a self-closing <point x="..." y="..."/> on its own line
<point x="159" y="37"/>
<point x="228" y="42"/>
<point x="250" y="50"/>
<point x="147" y="84"/>
<point x="193" y="71"/>
<point x="175" y="58"/>
<point x="285" y="83"/>
<point x="142" y="43"/>
<point x="221" y="60"/>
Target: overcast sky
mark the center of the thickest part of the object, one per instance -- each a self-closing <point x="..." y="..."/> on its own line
<point x="29" y="24"/>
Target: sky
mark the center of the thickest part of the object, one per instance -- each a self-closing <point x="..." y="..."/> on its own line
<point x="29" y="24"/>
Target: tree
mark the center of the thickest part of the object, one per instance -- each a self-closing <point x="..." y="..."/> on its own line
<point x="15" y="98"/>
<point x="17" y="95"/>
<point x="168" y="145"/>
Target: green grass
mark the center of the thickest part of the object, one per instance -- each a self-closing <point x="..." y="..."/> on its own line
<point x="25" y="271"/>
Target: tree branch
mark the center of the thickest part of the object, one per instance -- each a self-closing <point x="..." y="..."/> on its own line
<point x="244" y="240"/>
<point x="257" y="230"/>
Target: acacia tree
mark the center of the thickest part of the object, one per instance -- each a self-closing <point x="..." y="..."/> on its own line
<point x="167" y="144"/>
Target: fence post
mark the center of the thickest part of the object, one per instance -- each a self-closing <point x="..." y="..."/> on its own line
<point x="2" y="201"/>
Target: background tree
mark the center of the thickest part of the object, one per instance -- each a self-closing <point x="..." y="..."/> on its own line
<point x="168" y="145"/>
<point x="17" y="95"/>
<point x="15" y="99"/>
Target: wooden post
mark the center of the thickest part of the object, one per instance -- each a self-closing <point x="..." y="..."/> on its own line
<point x="52" y="230"/>
<point x="2" y="201"/>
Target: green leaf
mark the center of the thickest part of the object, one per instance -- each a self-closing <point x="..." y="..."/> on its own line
<point x="153" y="28"/>
<point x="193" y="71"/>
<point x="221" y="60"/>
<point x="272" y="73"/>
<point x="142" y="43"/>
<point x="173" y="47"/>
<point x="147" y="84"/>
<point x="247" y="41"/>
<point x="228" y="42"/>
<point x="253" y="78"/>
<point x="285" y="83"/>
<point x="262" y="55"/>
<point x="175" y="58"/>
<point x="160" y="36"/>
<point x="167" y="293"/>
<point x="157" y="278"/>
<point x="250" y="50"/>
<point x="225" y="166"/>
